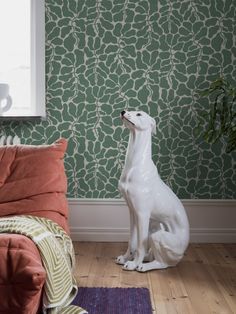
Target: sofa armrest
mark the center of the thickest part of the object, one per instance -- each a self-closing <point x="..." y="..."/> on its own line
<point x="22" y="275"/>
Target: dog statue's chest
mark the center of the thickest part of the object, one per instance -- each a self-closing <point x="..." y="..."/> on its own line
<point x="126" y="180"/>
<point x="132" y="180"/>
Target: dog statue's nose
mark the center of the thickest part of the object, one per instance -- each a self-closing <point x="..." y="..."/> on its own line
<point x="122" y="112"/>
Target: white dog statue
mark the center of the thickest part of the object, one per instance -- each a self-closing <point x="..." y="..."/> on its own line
<point x="159" y="227"/>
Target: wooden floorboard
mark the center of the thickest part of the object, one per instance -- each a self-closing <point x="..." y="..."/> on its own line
<point x="204" y="282"/>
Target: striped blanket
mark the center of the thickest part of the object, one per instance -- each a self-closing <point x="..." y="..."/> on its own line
<point x="57" y="254"/>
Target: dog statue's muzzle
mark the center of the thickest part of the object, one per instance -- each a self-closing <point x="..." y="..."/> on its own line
<point x="122" y="114"/>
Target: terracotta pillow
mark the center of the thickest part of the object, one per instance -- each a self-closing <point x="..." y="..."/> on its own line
<point x="33" y="181"/>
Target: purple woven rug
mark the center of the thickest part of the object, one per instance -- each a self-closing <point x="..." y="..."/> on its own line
<point x="114" y="300"/>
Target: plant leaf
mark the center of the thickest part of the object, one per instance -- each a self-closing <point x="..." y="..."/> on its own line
<point x="231" y="145"/>
<point x="221" y="117"/>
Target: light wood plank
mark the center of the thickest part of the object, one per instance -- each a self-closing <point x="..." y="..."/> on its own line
<point x="213" y="273"/>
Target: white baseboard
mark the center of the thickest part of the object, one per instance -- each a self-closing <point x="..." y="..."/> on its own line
<point x="212" y="221"/>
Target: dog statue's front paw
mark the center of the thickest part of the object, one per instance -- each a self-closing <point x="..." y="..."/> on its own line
<point x="151" y="266"/>
<point x="121" y="260"/>
<point x="141" y="268"/>
<point x="130" y="265"/>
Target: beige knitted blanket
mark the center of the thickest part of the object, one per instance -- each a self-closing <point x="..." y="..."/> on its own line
<point x="57" y="253"/>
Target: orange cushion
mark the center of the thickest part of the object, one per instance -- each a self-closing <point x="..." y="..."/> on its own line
<point x="33" y="181"/>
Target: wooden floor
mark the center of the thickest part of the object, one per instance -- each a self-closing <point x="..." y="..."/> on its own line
<point x="204" y="282"/>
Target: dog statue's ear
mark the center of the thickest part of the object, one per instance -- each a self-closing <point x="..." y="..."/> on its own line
<point x="153" y="124"/>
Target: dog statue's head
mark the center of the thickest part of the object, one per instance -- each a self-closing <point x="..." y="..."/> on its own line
<point x="138" y="120"/>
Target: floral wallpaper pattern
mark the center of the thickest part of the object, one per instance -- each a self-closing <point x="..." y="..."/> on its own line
<point x="103" y="56"/>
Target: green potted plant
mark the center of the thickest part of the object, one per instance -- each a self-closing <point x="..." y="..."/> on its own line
<point x="221" y="118"/>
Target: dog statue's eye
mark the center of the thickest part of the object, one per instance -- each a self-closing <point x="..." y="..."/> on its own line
<point x="138" y="114"/>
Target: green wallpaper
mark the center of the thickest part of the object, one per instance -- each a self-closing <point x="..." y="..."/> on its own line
<point x="106" y="55"/>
